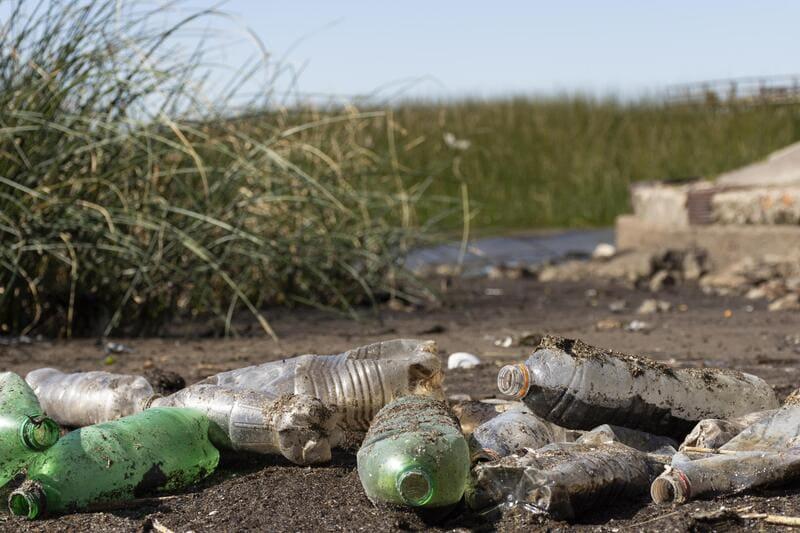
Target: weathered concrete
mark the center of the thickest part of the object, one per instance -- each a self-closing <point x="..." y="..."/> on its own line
<point x="724" y="243"/>
<point x="661" y="203"/>
<point x="759" y="205"/>
<point x="779" y="168"/>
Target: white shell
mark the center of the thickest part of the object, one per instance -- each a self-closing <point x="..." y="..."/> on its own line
<point x="462" y="360"/>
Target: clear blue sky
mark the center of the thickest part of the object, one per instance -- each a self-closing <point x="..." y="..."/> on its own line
<point x="489" y="48"/>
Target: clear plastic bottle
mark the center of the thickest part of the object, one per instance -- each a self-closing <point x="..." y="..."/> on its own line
<point x="578" y="386"/>
<point x="687" y="479"/>
<point x="513" y="431"/>
<point x="778" y="431"/>
<point x="24" y="430"/>
<point x="713" y="433"/>
<point x="638" y="440"/>
<point x="562" y="479"/>
<point x="414" y="455"/>
<point x="298" y="427"/>
<point x="85" y="398"/>
<point x="358" y="382"/>
<point x="156" y="450"/>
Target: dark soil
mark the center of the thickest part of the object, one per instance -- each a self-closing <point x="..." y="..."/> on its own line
<point x="268" y="493"/>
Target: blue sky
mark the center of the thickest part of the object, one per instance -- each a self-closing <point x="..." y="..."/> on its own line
<point x="490" y="48"/>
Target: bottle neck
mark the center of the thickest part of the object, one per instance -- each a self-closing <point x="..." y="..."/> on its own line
<point x="29" y="500"/>
<point x="38" y="433"/>
<point x="415" y="486"/>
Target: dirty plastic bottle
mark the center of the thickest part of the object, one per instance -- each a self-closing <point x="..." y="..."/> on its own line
<point x="156" y="450"/>
<point x="687" y="479"/>
<point x="473" y="413"/>
<point x="578" y="386"/>
<point x="562" y="479"/>
<point x="712" y="433"/>
<point x="414" y="455"/>
<point x="513" y="431"/>
<point x="778" y="431"/>
<point x="358" y="382"/>
<point x="298" y="427"/>
<point x="24" y="430"/>
<point x="86" y="398"/>
<point x="638" y="440"/>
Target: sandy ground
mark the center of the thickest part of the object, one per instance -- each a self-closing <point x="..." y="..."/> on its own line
<point x="267" y="493"/>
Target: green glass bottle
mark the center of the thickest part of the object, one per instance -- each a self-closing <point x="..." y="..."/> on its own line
<point x="155" y="450"/>
<point x="24" y="430"/>
<point x="414" y="454"/>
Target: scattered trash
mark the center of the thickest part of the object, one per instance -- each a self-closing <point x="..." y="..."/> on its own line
<point x="651" y="305"/>
<point x="713" y="433"/>
<point x="618" y="306"/>
<point x="523" y="339"/>
<point x="86" y="398"/>
<point x="493" y="291"/>
<point x="604" y="250"/>
<point x="638" y="440"/>
<point x="357" y="382"/>
<point x="462" y="360"/>
<point x="299" y="427"/>
<point x="473" y="413"/>
<point x="687" y="479"/>
<point x="156" y="450"/>
<point x="563" y="479"/>
<point x="513" y="431"/>
<point x="116" y="347"/>
<point x="24" y="430"/>
<point x="638" y="325"/>
<point x="415" y="455"/>
<point x="578" y="386"/>
<point x="607" y="324"/>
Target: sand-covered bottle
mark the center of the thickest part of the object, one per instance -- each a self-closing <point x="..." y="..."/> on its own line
<point x="414" y="455"/>
<point x="578" y="386"/>
<point x="24" y="430"/>
<point x="84" y="398"/>
<point x="563" y="479"/>
<point x="299" y="427"/>
<point x="156" y="450"/>
<point x="357" y="382"/>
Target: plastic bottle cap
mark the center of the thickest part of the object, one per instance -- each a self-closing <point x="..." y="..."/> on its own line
<point x="514" y="380"/>
<point x="415" y="487"/>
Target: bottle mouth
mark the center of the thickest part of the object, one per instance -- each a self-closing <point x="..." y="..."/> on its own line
<point x="671" y="487"/>
<point x="415" y="486"/>
<point x="28" y="500"/>
<point x="514" y="380"/>
<point x="39" y="432"/>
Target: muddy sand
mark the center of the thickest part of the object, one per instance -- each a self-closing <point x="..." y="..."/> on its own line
<point x="268" y="493"/>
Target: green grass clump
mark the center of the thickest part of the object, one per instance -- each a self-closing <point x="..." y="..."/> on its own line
<point x="127" y="198"/>
<point x="568" y="162"/>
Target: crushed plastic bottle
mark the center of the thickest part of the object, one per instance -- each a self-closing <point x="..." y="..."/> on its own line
<point x="638" y="440"/>
<point x="513" y="431"/>
<point x="562" y="479"/>
<point x="24" y="430"/>
<point x="298" y="427"/>
<point x="578" y="386"/>
<point x="473" y="413"/>
<point x="414" y="455"/>
<point x="156" y="450"/>
<point x="357" y="382"/>
<point x="85" y="398"/>
<point x="687" y="479"/>
<point x="712" y="433"/>
<point x="778" y="431"/>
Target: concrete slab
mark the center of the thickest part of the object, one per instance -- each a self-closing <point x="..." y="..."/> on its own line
<point x="724" y="243"/>
<point x="779" y="168"/>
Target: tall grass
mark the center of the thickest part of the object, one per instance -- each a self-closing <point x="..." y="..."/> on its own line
<point x="127" y="198"/>
<point x="568" y="162"/>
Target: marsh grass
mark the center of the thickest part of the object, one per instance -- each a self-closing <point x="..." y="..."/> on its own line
<point x="126" y="199"/>
<point x="569" y="162"/>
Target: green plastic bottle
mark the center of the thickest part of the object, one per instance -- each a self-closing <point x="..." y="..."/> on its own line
<point x="414" y="454"/>
<point x="156" y="450"/>
<point x="24" y="430"/>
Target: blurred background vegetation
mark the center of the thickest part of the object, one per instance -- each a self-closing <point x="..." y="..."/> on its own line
<point x="130" y="195"/>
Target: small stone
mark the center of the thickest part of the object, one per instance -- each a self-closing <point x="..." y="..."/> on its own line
<point x="618" y="306"/>
<point x="660" y="279"/>
<point x="638" y="325"/>
<point x="607" y="324"/>
<point x="604" y="250"/>
<point x="462" y="360"/>
<point x="790" y="302"/>
<point x="651" y="305"/>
